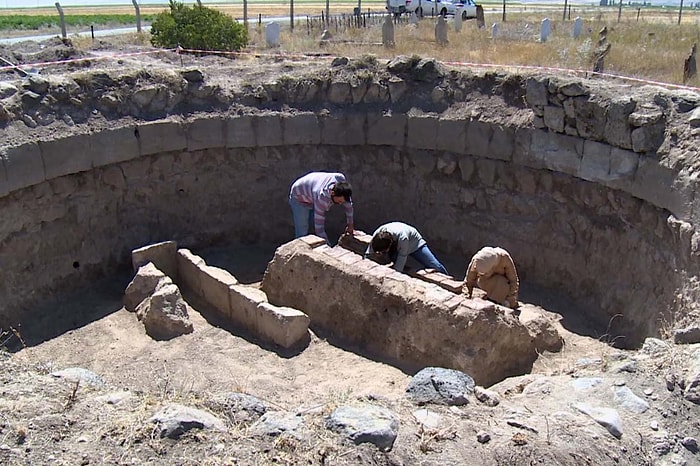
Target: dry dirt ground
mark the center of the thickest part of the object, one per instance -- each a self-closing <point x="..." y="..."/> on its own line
<point x="49" y="420"/>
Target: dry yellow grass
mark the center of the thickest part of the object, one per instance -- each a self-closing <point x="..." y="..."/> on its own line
<point x="653" y="49"/>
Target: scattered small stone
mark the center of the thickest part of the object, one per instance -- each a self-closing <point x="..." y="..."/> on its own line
<point x="648" y="391"/>
<point x="428" y="419"/>
<point x="690" y="443"/>
<point x="520" y="425"/>
<point x="619" y="383"/>
<point x="662" y="448"/>
<point x="654" y="425"/>
<point x="488" y="397"/>
<point x="519" y="439"/>
<point x="483" y="437"/>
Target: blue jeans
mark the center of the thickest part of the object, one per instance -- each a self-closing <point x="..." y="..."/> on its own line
<point x="302" y="215"/>
<point x="428" y="260"/>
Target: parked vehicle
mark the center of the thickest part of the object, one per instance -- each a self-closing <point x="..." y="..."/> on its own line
<point x="468" y="8"/>
<point x="436" y="7"/>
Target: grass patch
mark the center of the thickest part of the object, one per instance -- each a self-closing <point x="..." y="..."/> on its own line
<point x="36" y="22"/>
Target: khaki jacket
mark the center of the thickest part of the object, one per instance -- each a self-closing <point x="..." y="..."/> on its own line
<point x="483" y="270"/>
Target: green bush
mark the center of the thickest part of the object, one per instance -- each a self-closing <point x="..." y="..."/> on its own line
<point x="197" y="27"/>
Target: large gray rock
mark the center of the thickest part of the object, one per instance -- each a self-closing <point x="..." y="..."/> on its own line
<point x="164" y="313"/>
<point x="175" y="419"/>
<point x="440" y="386"/>
<point x="368" y="423"/>
<point x="606" y="417"/>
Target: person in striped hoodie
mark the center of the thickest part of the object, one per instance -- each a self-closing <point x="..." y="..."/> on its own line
<point x="312" y="195"/>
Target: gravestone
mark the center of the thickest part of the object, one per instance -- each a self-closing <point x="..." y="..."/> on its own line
<point x="578" y="26"/>
<point x="458" y="19"/>
<point x="441" y="31"/>
<point x="494" y="30"/>
<point x="414" y="19"/>
<point x="388" y="32"/>
<point x="480" y="21"/>
<point x="545" y="30"/>
<point x="272" y="34"/>
<point x="690" y="65"/>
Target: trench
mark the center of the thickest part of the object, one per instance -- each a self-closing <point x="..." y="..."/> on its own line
<point x="606" y="251"/>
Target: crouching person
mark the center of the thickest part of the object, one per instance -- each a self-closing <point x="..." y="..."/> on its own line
<point x="493" y="270"/>
<point x="397" y="241"/>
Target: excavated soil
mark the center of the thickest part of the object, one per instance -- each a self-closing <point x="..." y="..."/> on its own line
<point x="47" y="420"/>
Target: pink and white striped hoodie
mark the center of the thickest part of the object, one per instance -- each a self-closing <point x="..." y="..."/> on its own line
<point x="314" y="190"/>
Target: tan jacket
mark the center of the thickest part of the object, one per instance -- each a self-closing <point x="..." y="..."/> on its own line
<point x="486" y="264"/>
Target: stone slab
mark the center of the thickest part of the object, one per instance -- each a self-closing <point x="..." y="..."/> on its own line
<point x="343" y="130"/>
<point x="215" y="285"/>
<point x="268" y="130"/>
<point x="205" y="133"/>
<point x="189" y="268"/>
<point x="452" y="135"/>
<point x="244" y="306"/>
<point x="66" y="156"/>
<point x="301" y="129"/>
<point x="422" y="132"/>
<point x="478" y="137"/>
<point x="23" y="166"/>
<point x="595" y="163"/>
<point x="161" y="136"/>
<point x="282" y="326"/>
<point x="114" y="146"/>
<point x="163" y="255"/>
<point x="4" y="187"/>
<point x="240" y="131"/>
<point x="386" y="130"/>
<point x="502" y="143"/>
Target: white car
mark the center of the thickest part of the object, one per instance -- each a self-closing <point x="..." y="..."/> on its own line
<point x="468" y="8"/>
<point x="435" y="7"/>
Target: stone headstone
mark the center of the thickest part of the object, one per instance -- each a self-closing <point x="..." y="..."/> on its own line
<point x="458" y="19"/>
<point x="272" y="34"/>
<point x="441" y="31"/>
<point x="480" y="21"/>
<point x="388" y="32"/>
<point x="578" y="26"/>
<point x="413" y="19"/>
<point x="494" y="30"/>
<point x="545" y="30"/>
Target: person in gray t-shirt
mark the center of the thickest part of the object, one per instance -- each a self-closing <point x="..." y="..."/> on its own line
<point x="398" y="240"/>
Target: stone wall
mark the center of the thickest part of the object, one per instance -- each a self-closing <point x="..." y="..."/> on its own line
<point x="592" y="192"/>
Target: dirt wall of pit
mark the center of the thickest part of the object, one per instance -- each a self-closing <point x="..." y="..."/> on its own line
<point x="591" y="191"/>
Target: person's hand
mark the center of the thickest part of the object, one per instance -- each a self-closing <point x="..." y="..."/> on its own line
<point x="350" y="230"/>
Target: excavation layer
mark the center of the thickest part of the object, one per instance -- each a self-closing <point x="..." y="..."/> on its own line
<point x="590" y="185"/>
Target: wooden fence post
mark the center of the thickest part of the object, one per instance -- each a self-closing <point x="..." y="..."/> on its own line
<point x="138" y="15"/>
<point x="62" y="20"/>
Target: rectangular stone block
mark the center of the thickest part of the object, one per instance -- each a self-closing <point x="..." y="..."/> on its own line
<point x="502" y="143"/>
<point x="268" y="130"/>
<point x="244" y="303"/>
<point x="422" y="132"/>
<point x="595" y="163"/>
<point x="356" y="243"/>
<point x="313" y="240"/>
<point x="205" y="133"/>
<point x="161" y="136"/>
<point x="190" y="269"/>
<point x="301" y="129"/>
<point x="282" y="326"/>
<point x="662" y="187"/>
<point x="240" y="131"/>
<point x="478" y="138"/>
<point x="114" y="146"/>
<point x="343" y="130"/>
<point x="215" y="285"/>
<point x="559" y="152"/>
<point x="66" y="156"/>
<point x="386" y="130"/>
<point x="452" y="135"/>
<point x="163" y="255"/>
<point x="23" y="166"/>
<point x="623" y="163"/>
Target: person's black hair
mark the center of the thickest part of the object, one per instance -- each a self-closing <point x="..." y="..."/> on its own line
<point x="382" y="241"/>
<point x="342" y="188"/>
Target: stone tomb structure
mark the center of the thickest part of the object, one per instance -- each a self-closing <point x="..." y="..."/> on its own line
<point x="589" y="184"/>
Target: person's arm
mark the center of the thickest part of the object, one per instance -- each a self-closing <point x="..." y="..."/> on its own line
<point x="320" y="207"/>
<point x="401" y="254"/>
<point x="512" y="276"/>
<point x="369" y="250"/>
<point x="470" y="280"/>
<point x="350" y="217"/>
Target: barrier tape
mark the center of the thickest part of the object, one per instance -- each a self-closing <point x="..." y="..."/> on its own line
<point x="318" y="56"/>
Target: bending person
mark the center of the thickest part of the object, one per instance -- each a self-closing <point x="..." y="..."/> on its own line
<point x="493" y="270"/>
<point x="312" y="195"/>
<point x="398" y="241"/>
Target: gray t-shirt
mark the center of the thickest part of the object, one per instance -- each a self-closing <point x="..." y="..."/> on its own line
<point x="407" y="238"/>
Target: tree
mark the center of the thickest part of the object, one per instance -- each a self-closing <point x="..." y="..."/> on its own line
<point x="198" y="28"/>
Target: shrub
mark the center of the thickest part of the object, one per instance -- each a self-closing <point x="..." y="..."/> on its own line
<point x="197" y="27"/>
